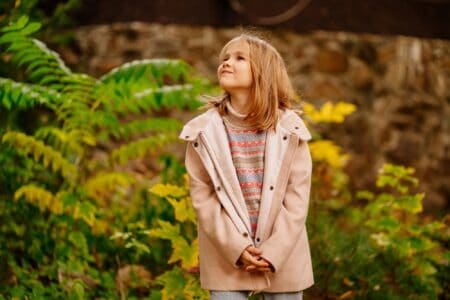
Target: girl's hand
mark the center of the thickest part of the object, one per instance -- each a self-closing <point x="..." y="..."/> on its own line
<point x="253" y="268"/>
<point x="252" y="262"/>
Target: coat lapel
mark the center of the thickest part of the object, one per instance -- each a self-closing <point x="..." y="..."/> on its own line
<point x="276" y="146"/>
<point x="217" y="142"/>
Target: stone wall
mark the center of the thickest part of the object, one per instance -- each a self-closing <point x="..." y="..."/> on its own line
<point x="399" y="84"/>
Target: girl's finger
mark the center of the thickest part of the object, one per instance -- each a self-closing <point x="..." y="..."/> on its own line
<point x="258" y="263"/>
<point x="254" y="251"/>
<point x="250" y="268"/>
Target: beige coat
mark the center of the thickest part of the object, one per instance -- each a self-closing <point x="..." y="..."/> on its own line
<point x="223" y="222"/>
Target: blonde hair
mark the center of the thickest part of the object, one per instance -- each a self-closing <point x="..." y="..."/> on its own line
<point x="271" y="89"/>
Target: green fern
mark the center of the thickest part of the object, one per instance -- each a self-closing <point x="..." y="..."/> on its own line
<point x="40" y="197"/>
<point x="104" y="185"/>
<point x="179" y="96"/>
<point x="17" y="95"/>
<point x="44" y="66"/>
<point x="132" y="128"/>
<point x="67" y="142"/>
<point x="140" y="148"/>
<point x="153" y="70"/>
<point x="50" y="157"/>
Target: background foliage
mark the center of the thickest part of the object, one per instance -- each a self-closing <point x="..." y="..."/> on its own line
<point x="80" y="221"/>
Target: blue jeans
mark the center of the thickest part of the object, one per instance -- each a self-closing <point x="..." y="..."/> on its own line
<point x="243" y="295"/>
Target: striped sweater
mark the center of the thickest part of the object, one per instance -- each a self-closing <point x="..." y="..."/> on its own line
<point x="247" y="146"/>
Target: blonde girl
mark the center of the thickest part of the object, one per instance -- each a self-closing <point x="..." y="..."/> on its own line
<point x="249" y="168"/>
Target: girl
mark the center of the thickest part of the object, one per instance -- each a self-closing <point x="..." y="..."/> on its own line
<point x="249" y="168"/>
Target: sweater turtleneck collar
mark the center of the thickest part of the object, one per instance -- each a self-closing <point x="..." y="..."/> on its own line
<point x="235" y="118"/>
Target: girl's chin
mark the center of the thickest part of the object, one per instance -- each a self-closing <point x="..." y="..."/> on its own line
<point x="226" y="86"/>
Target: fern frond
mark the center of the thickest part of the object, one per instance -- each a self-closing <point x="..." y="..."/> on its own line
<point x="141" y="147"/>
<point x="22" y="95"/>
<point x="143" y="85"/>
<point x="155" y="70"/>
<point x="40" y="197"/>
<point x="50" y="157"/>
<point x="171" y="96"/>
<point x="78" y="112"/>
<point x="86" y="211"/>
<point x="45" y="66"/>
<point x="136" y="127"/>
<point x="68" y="142"/>
<point x="104" y="184"/>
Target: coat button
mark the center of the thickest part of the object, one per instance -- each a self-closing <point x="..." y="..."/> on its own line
<point x="296" y="127"/>
<point x="186" y="136"/>
<point x="245" y="234"/>
<point x="284" y="137"/>
<point x="257" y="239"/>
<point x="195" y="144"/>
<point x="218" y="188"/>
<point x="271" y="187"/>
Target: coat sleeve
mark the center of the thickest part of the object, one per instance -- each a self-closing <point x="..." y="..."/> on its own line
<point x="291" y="218"/>
<point x="212" y="218"/>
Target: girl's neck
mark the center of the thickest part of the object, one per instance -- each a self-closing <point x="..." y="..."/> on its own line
<point x="240" y="102"/>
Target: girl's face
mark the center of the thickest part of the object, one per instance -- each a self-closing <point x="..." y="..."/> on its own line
<point x="234" y="72"/>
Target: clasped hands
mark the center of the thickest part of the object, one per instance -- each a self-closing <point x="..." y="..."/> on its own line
<point x="251" y="260"/>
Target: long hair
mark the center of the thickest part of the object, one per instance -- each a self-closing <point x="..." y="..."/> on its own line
<point x="271" y="89"/>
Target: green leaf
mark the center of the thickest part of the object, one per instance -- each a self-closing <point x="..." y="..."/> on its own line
<point x="388" y="223"/>
<point x="11" y="37"/>
<point x="193" y="290"/>
<point x="366" y="195"/>
<point x="79" y="240"/>
<point x="85" y="211"/>
<point x="425" y="269"/>
<point x="166" y="231"/>
<point x="79" y="290"/>
<point x="19" y="24"/>
<point x="412" y="204"/>
<point x="173" y="283"/>
<point x="30" y="28"/>
<point x="140" y="247"/>
<point x="155" y="295"/>
<point x="420" y="244"/>
<point x="185" y="253"/>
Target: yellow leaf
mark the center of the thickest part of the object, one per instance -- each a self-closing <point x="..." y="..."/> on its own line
<point x="328" y="152"/>
<point x="164" y="190"/>
<point x="183" y="209"/>
<point x="329" y="113"/>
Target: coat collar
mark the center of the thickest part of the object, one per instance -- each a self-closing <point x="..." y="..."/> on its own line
<point x="288" y="120"/>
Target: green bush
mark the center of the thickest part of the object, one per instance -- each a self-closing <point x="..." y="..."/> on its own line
<point x="382" y="249"/>
<point x="67" y="187"/>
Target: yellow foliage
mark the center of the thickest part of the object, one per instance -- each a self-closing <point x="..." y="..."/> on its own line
<point x="100" y="226"/>
<point x="40" y="197"/>
<point x="49" y="156"/>
<point x="85" y="211"/>
<point x="328" y="152"/>
<point x="185" y="253"/>
<point x="329" y="113"/>
<point x="183" y="209"/>
<point x="165" y="190"/>
<point x="103" y="184"/>
<point x="186" y="181"/>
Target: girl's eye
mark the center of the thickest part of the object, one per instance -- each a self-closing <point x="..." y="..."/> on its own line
<point x="241" y="58"/>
